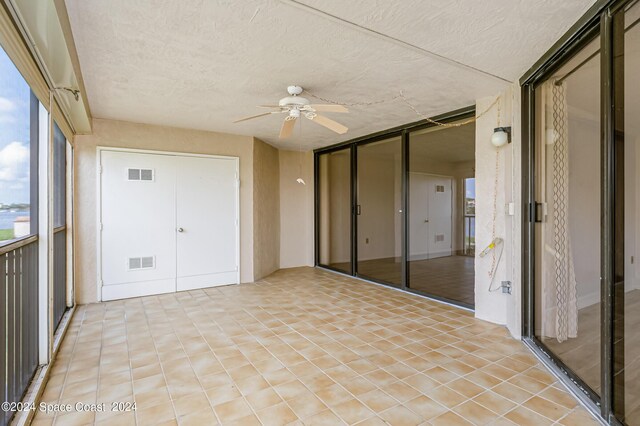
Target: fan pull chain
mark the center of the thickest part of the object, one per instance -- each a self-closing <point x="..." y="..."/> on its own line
<point x="402" y="97"/>
<point x="329" y="101"/>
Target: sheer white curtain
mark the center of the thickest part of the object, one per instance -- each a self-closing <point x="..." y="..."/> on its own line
<point x="559" y="290"/>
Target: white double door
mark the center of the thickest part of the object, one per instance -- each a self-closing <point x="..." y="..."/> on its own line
<point x="430" y="220"/>
<point x="167" y="223"/>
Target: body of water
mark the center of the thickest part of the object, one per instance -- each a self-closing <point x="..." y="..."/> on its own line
<point x="7" y="218"/>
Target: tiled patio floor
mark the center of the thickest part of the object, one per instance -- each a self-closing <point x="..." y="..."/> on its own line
<point x="303" y="346"/>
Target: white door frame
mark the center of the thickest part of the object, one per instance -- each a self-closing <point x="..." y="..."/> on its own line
<point x="101" y="149"/>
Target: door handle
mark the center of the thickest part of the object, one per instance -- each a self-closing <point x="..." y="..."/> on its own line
<point x="536" y="212"/>
<point x="426" y="221"/>
<point x="180" y="230"/>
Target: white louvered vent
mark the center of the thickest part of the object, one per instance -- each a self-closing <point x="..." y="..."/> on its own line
<point x="439" y="238"/>
<point x="439" y="188"/>
<point x="140" y="174"/>
<point x="137" y="263"/>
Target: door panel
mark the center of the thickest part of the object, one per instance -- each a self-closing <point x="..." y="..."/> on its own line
<point x="380" y="211"/>
<point x="138" y="218"/>
<point x="418" y="216"/>
<point x="568" y="234"/>
<point x="429" y="216"/>
<point x="334" y="203"/>
<point x="206" y="213"/>
<point x="439" y="225"/>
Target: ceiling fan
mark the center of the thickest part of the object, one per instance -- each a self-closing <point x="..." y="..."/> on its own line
<point x="294" y="106"/>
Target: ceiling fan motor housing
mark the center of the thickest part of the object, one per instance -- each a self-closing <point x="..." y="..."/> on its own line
<point x="294" y="90"/>
<point x="293" y="101"/>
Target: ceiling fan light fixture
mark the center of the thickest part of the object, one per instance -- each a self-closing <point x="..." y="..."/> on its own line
<point x="293" y="114"/>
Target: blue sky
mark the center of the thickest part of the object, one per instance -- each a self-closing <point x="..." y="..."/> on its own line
<point x="470" y="188"/>
<point x="14" y="133"/>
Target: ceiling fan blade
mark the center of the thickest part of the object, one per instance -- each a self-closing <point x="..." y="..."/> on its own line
<point x="287" y="128"/>
<point x="269" y="106"/>
<point x="253" y="116"/>
<point x="330" y="124"/>
<point x="330" y="108"/>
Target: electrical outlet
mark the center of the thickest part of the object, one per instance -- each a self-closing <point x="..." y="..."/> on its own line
<point x="366" y="240"/>
<point x="506" y="287"/>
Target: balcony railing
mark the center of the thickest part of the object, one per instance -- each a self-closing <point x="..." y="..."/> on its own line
<point x="18" y="320"/>
<point x="469" y="235"/>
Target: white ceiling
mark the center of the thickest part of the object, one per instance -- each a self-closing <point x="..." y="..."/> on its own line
<point x="201" y="64"/>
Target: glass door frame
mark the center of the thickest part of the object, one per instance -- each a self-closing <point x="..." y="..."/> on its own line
<point x="404" y="132"/>
<point x="598" y="20"/>
<point x="316" y="208"/>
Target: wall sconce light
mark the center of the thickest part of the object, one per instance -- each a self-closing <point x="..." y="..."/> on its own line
<point x="501" y="136"/>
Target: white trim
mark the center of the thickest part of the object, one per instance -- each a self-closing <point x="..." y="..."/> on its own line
<point x="98" y="224"/>
<point x="168" y="153"/>
<point x="45" y="245"/>
<point x="100" y="149"/>
<point x="70" y="228"/>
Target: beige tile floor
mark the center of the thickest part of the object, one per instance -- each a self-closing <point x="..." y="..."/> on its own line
<point x="305" y="347"/>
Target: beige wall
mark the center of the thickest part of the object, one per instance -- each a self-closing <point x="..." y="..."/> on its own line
<point x="121" y="134"/>
<point x="496" y="306"/>
<point x="296" y="209"/>
<point x="266" y="216"/>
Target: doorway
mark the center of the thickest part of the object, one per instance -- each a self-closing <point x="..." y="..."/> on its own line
<point x="398" y="208"/>
<point x="441" y="212"/>
<point x="379" y="211"/>
<point x="582" y="185"/>
<point x="168" y="223"/>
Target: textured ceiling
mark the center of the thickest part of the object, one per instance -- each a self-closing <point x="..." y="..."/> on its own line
<point x="451" y="145"/>
<point x="201" y="64"/>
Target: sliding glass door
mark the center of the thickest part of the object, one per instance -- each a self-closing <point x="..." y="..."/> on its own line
<point x="379" y="210"/>
<point x="334" y="210"/>
<point x="567" y="239"/>
<point x="626" y="297"/>
<point x="440" y="220"/>
<point x="583" y="227"/>
<point x="397" y="207"/>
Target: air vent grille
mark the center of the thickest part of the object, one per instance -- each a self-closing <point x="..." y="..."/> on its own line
<point x="140" y="174"/>
<point x="439" y="238"/>
<point x="137" y="263"/>
<point x="439" y="188"/>
<point x="134" y="174"/>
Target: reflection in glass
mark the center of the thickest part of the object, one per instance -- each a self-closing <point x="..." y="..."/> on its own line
<point x="379" y="211"/>
<point x="441" y="216"/>
<point x="567" y="239"/>
<point x="334" y="191"/>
